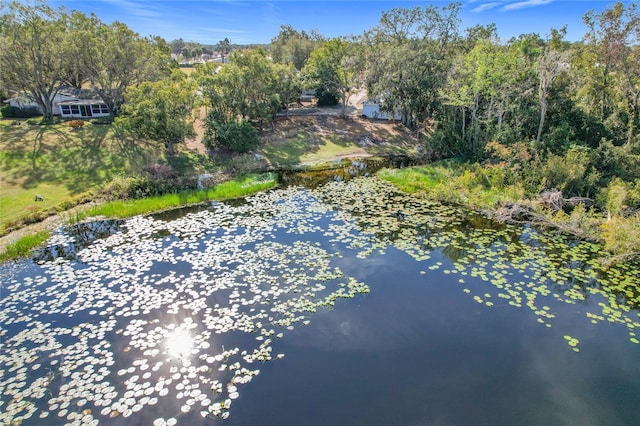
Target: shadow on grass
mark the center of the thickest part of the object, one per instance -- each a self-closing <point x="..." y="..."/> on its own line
<point x="78" y="161"/>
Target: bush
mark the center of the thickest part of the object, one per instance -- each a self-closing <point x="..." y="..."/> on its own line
<point x="571" y="173"/>
<point x="75" y="124"/>
<point x="152" y="184"/>
<point x="238" y="137"/>
<point x="14" y="112"/>
<point x="326" y="98"/>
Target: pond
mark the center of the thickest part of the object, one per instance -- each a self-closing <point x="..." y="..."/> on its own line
<point x="348" y="303"/>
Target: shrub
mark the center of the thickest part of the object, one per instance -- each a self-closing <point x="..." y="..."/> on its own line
<point x="14" y="112"/>
<point x="238" y="137"/>
<point x="326" y="98"/>
<point x="571" y="173"/>
<point x="75" y="124"/>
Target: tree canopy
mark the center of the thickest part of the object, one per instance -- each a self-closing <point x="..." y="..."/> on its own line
<point x="34" y="52"/>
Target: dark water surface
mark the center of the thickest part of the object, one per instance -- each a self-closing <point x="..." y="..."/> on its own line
<point x="347" y="304"/>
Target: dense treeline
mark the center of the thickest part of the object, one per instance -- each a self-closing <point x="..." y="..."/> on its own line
<point x="541" y="112"/>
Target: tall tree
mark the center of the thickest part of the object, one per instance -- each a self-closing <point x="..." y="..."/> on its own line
<point x="335" y="68"/>
<point x="33" y="52"/>
<point x="224" y="47"/>
<point x="291" y="46"/>
<point x="613" y="39"/>
<point x="160" y="110"/>
<point x="114" y="57"/>
<point x="176" y="46"/>
<point x="246" y="89"/>
<point x="550" y="65"/>
<point x="288" y="84"/>
<point x="614" y="35"/>
<point x="409" y="56"/>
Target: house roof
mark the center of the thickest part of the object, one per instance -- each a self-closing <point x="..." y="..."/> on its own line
<point x="81" y="102"/>
<point x="26" y="98"/>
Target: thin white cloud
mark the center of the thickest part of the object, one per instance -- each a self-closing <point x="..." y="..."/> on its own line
<point x="486" y="6"/>
<point x="506" y="5"/>
<point x="142" y="10"/>
<point x="526" y="3"/>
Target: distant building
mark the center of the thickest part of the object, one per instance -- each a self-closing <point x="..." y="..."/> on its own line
<point x="371" y="109"/>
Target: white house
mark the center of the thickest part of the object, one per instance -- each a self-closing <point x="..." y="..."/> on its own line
<point x="26" y="102"/>
<point x="371" y="109"/>
<point x="65" y="105"/>
<point x="83" y="108"/>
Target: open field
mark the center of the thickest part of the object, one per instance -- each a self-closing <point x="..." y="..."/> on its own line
<point x="60" y="165"/>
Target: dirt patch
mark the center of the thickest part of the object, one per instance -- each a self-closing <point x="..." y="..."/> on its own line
<point x="195" y="143"/>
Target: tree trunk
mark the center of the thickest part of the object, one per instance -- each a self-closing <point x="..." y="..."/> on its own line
<point x="170" y="148"/>
<point x="464" y="122"/>
<point x="543" y="112"/>
<point x="603" y="110"/>
<point x="633" y="117"/>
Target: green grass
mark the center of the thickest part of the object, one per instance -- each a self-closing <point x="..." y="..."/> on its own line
<point x="311" y="140"/>
<point x="64" y="166"/>
<point x="238" y="187"/>
<point x="24" y="246"/>
<point x="461" y="183"/>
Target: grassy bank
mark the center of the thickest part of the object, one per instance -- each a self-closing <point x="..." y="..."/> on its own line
<point x="455" y="182"/>
<point x="238" y="187"/>
<point x="61" y="165"/>
<point x="301" y="140"/>
<point x="24" y="246"/>
<point x="488" y="188"/>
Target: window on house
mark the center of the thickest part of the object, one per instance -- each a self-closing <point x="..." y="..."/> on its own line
<point x="64" y="109"/>
<point x="105" y="109"/>
<point x="95" y="108"/>
<point x="75" y="109"/>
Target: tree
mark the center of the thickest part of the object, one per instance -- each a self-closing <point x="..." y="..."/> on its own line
<point x="334" y="68"/>
<point x="114" y="57"/>
<point x="288" y="84"/>
<point x="613" y="36"/>
<point x="239" y="137"/>
<point x="409" y="57"/>
<point x="294" y="47"/>
<point x="224" y="47"/>
<point x="247" y="89"/>
<point x="550" y="65"/>
<point x="176" y="46"/>
<point x="33" y="52"/>
<point x="160" y="110"/>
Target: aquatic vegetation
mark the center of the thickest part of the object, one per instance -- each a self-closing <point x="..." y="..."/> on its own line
<point x="123" y="289"/>
<point x="239" y="187"/>
<point x="172" y="316"/>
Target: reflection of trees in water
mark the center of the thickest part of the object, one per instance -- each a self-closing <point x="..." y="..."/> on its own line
<point x="342" y="171"/>
<point x="80" y="236"/>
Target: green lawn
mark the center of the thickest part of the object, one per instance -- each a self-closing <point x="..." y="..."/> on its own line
<point x="312" y="140"/>
<point x="60" y="165"/>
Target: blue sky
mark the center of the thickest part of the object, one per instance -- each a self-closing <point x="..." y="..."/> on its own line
<point x="258" y="21"/>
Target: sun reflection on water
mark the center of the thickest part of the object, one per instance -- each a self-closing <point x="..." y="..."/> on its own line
<point x="179" y="344"/>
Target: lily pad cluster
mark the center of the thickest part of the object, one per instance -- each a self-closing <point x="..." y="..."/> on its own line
<point x="521" y="266"/>
<point x="169" y="316"/>
<point x="174" y="316"/>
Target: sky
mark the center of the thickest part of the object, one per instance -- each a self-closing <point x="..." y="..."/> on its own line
<point x="258" y="21"/>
